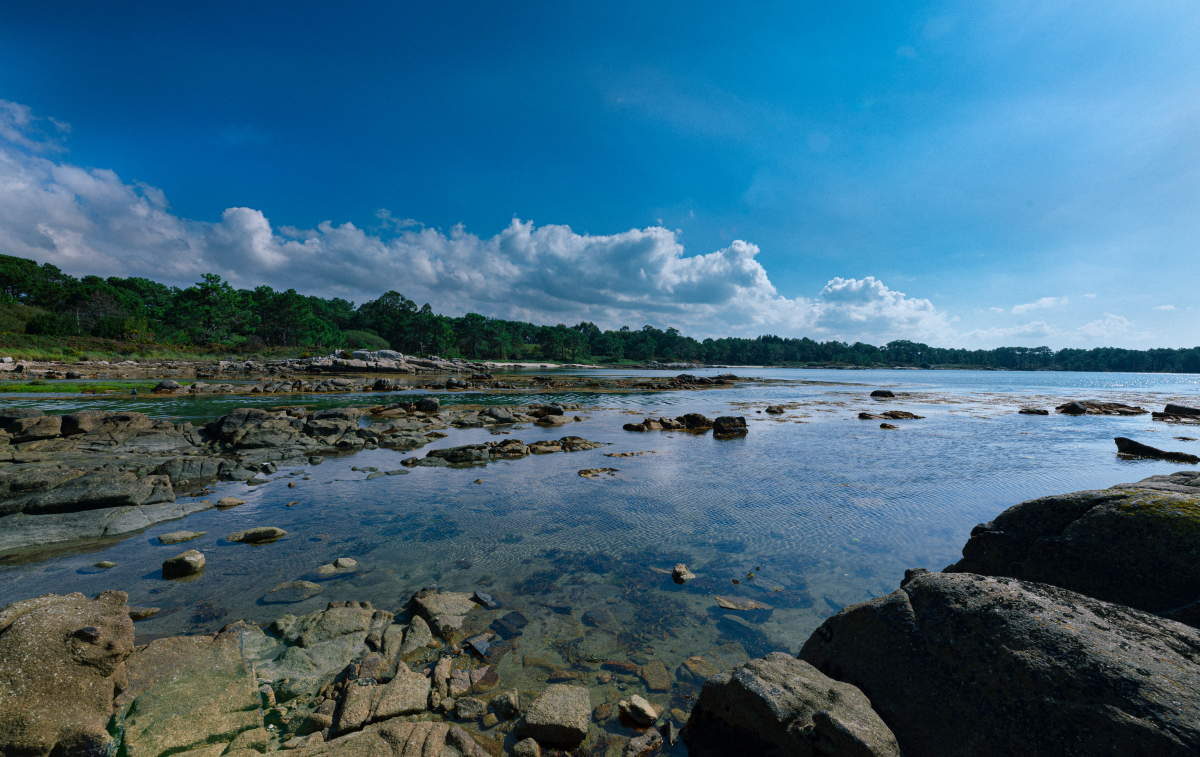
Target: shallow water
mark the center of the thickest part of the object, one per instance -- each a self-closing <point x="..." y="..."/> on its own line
<point x="824" y="509"/>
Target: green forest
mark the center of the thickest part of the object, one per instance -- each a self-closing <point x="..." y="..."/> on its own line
<point x="45" y="310"/>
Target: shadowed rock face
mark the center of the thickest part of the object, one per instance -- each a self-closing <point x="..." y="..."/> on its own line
<point x="783" y="706"/>
<point x="62" y="659"/>
<point x="1136" y="545"/>
<point x="971" y="665"/>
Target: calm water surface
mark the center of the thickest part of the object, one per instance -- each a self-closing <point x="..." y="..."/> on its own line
<point x="824" y="509"/>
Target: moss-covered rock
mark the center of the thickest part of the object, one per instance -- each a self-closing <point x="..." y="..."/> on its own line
<point x="1136" y="545"/>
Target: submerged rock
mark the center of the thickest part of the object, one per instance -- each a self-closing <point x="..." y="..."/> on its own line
<point x="292" y="591"/>
<point x="680" y="574"/>
<point x="967" y="664"/>
<point x="883" y="393"/>
<point x="62" y="660"/>
<point x="779" y="705"/>
<point x="1130" y="545"/>
<point x="1033" y="411"/>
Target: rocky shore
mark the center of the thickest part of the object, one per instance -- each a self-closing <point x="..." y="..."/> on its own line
<point x="1068" y="627"/>
<point x="96" y="474"/>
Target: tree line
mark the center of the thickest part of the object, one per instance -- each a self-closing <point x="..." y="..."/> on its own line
<point x="42" y="300"/>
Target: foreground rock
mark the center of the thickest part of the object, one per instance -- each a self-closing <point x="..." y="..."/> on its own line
<point x="1134" y="544"/>
<point x="62" y="660"/>
<point x="189" y="691"/>
<point x="1127" y="446"/>
<point x="783" y="706"/>
<point x="973" y="665"/>
<point x="558" y="717"/>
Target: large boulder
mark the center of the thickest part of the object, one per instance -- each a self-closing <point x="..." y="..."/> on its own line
<point x="779" y="705"/>
<point x="62" y="659"/>
<point x="1133" y="546"/>
<point x="960" y="664"/>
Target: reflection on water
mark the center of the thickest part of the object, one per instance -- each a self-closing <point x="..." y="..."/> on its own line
<point x="822" y="509"/>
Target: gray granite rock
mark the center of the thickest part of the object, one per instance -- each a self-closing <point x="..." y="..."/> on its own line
<point x="1135" y="545"/>
<point x="779" y="705"/>
<point x="957" y="663"/>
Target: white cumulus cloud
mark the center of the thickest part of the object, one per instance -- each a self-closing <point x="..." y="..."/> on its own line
<point x="89" y="221"/>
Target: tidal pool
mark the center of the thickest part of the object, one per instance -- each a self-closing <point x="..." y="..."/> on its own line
<point x="812" y="511"/>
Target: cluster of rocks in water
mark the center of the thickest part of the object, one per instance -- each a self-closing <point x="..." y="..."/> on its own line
<point x="1068" y="627"/>
<point x="95" y="474"/>
<point x="726" y="426"/>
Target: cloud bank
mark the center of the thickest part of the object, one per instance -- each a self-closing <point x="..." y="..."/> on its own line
<point x="89" y="221"/>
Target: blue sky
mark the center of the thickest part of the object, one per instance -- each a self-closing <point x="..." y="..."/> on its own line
<point x="969" y="174"/>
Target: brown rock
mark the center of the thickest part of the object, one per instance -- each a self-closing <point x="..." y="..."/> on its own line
<point x="62" y="659"/>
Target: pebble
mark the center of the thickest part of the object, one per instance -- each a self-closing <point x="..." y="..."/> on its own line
<point x="490" y="720"/>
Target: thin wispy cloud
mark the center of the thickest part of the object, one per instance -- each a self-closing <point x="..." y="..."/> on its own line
<point x="1165" y="307"/>
<point x="1045" y="302"/>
